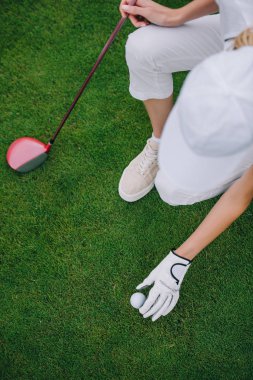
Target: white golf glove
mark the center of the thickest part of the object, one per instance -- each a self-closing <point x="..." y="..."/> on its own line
<point x="167" y="278"/>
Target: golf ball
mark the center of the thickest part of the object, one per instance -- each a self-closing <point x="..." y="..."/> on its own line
<point x="137" y="300"/>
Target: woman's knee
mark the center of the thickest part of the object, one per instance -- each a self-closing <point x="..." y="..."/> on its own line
<point x="171" y="193"/>
<point x="139" y="48"/>
<point x="167" y="191"/>
<point x="136" y="53"/>
<point x="150" y="76"/>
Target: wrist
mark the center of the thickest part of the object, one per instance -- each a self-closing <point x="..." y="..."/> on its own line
<point x="187" y="251"/>
<point x="182" y="15"/>
<point x="174" y="17"/>
<point x="177" y="254"/>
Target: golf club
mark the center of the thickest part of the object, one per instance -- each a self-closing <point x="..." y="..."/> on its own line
<point x="27" y="153"/>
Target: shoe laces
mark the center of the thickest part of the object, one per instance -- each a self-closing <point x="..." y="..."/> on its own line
<point x="148" y="159"/>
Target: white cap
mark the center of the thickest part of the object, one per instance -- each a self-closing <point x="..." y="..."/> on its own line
<point x="215" y="107"/>
<point x="235" y="16"/>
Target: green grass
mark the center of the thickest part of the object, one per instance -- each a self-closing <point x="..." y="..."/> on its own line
<point x="72" y="251"/>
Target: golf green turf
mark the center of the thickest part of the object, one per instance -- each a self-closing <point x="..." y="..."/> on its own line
<point x="72" y="251"/>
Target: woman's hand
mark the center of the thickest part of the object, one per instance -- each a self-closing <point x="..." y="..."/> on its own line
<point x="244" y="39"/>
<point x="147" y="11"/>
<point x="166" y="279"/>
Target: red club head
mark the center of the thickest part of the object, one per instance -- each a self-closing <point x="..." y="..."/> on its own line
<point x="26" y="154"/>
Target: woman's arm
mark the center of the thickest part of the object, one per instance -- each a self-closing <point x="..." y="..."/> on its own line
<point x="229" y="207"/>
<point x="198" y="8"/>
<point x="167" y="276"/>
<point x="165" y="16"/>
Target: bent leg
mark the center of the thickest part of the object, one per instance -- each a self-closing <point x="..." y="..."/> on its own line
<point x="153" y="53"/>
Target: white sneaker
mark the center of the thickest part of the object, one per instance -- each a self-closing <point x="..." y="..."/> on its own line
<point x="139" y="176"/>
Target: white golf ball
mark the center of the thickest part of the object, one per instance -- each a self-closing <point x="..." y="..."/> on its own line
<point x="137" y="300"/>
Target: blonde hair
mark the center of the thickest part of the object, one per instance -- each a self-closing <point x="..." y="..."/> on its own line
<point x="244" y="39"/>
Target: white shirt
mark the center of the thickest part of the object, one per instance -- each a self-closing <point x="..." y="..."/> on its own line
<point x="236" y="16"/>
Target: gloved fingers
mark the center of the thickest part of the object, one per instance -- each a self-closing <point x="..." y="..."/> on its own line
<point x="147" y="282"/>
<point x="172" y="304"/>
<point x="152" y="297"/>
<point x="165" y="306"/>
<point x="157" y="305"/>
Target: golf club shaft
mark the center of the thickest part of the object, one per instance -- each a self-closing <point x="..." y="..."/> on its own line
<point x="100" y="57"/>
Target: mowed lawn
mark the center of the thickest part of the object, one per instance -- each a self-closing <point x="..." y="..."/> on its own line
<point x="72" y="251"/>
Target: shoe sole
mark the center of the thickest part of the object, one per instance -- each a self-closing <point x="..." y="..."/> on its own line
<point x="137" y="196"/>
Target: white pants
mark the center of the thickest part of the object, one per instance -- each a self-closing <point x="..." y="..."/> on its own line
<point x="153" y="53"/>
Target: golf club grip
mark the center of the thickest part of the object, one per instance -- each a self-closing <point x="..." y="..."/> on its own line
<point x="100" y="57"/>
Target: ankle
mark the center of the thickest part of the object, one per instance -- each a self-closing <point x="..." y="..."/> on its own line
<point x="154" y="138"/>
